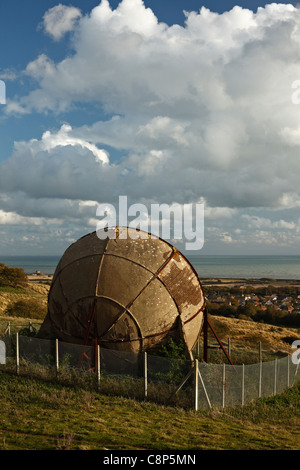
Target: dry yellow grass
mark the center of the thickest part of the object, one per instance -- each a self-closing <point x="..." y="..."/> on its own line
<point x="35" y="290"/>
<point x="244" y="333"/>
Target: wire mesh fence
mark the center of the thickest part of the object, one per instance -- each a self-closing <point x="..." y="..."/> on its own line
<point x="226" y="385"/>
<point x="29" y="328"/>
<point x="188" y="383"/>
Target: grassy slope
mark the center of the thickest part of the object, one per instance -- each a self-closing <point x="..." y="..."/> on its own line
<point x="38" y="415"/>
<point x="246" y="335"/>
<point x="9" y="295"/>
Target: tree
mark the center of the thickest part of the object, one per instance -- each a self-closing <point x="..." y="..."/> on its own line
<point x="13" y="277"/>
<point x="249" y="309"/>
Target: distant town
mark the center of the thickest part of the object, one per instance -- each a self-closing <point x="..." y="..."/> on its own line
<point x="290" y="303"/>
<point x="261" y="302"/>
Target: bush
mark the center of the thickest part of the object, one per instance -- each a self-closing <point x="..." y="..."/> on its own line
<point x="248" y="309"/>
<point x="176" y="365"/>
<point x="276" y="317"/>
<point x="27" y="308"/>
<point x="12" y="277"/>
<point x="172" y="349"/>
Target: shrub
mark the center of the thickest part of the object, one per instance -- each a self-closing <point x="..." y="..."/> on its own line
<point x="26" y="308"/>
<point x="13" y="277"/>
<point x="172" y="349"/>
<point x="248" y="309"/>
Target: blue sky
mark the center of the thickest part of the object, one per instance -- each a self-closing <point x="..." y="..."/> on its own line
<point x="22" y="40"/>
<point x="141" y="99"/>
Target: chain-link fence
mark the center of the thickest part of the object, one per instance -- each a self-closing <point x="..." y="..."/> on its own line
<point x="188" y="383"/>
<point x="226" y="385"/>
<point x="30" y="328"/>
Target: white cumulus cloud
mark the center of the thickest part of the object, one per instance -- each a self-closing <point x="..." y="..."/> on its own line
<point x="196" y="112"/>
<point x="59" y="20"/>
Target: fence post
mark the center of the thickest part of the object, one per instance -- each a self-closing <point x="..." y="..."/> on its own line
<point x="260" y="352"/>
<point x="275" y="376"/>
<point x="288" y="370"/>
<point x="145" y="375"/>
<point x="56" y="356"/>
<point x="243" y="384"/>
<point x="260" y="379"/>
<point x="223" y="394"/>
<point x="98" y="366"/>
<point x="196" y="382"/>
<point x="7" y="329"/>
<point x="17" y="354"/>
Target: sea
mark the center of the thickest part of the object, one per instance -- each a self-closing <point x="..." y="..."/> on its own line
<point x="206" y="266"/>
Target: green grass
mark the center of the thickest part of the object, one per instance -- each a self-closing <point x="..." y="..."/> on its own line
<point x="44" y="414"/>
<point x="13" y="290"/>
<point x="41" y="415"/>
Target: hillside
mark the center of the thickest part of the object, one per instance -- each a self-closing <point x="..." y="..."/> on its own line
<point x="243" y="334"/>
<point x="12" y="301"/>
<point x="35" y="290"/>
<point x="37" y="414"/>
<point x="248" y="334"/>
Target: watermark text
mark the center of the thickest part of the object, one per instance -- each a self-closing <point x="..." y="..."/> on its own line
<point x="296" y="354"/>
<point x="2" y="92"/>
<point x="296" y="93"/>
<point x="170" y="222"/>
<point x="2" y="352"/>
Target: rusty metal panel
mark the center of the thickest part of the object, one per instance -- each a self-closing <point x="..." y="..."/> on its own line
<point x="185" y="288"/>
<point x="154" y="309"/>
<point x="107" y="313"/>
<point x="121" y="279"/>
<point x="128" y="293"/>
<point x="124" y="335"/>
<point x="79" y="279"/>
<point x="191" y="330"/>
<point x="148" y="252"/>
<point x="183" y="285"/>
<point x="75" y="320"/>
<point x="57" y="303"/>
<point x="86" y="246"/>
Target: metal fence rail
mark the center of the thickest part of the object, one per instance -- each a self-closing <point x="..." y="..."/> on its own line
<point x="208" y="385"/>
